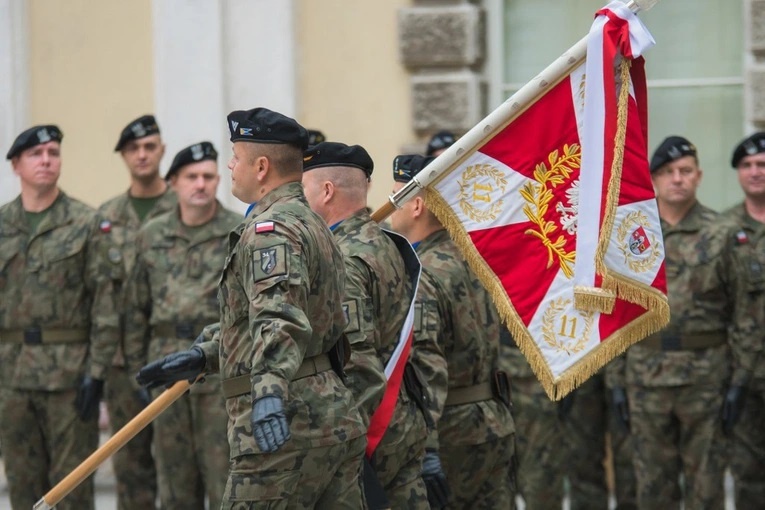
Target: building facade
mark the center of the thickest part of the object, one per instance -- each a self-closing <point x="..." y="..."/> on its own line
<point x="382" y="74"/>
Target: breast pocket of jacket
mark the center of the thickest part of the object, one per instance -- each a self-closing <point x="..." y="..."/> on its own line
<point x="65" y="262"/>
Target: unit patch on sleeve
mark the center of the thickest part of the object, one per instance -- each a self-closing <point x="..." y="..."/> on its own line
<point x="268" y="262"/>
<point x="351" y="311"/>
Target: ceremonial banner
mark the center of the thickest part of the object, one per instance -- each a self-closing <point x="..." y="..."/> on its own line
<point x="556" y="213"/>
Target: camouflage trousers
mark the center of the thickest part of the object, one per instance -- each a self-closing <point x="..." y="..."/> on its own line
<point x="588" y="424"/>
<point x="540" y="447"/>
<point x="398" y="464"/>
<point x="677" y="430"/>
<point x="133" y="464"/>
<point x="191" y="447"/>
<point x="43" y="441"/>
<point x="480" y="476"/>
<point x="747" y="455"/>
<point x="322" y="478"/>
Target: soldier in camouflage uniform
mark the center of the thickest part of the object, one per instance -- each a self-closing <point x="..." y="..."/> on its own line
<point x="678" y="381"/>
<point x="141" y="147"/>
<point x="335" y="180"/>
<point x="747" y="459"/>
<point x="295" y="435"/>
<point x="587" y="425"/>
<point x="540" y="441"/>
<point x="171" y="296"/>
<point x="58" y="325"/>
<point x="474" y="436"/>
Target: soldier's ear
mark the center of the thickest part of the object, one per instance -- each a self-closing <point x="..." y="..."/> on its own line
<point x="328" y="191"/>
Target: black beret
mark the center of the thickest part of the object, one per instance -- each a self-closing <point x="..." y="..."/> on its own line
<point x="192" y="154"/>
<point x="754" y="144"/>
<point x="407" y="166"/>
<point x="261" y="125"/>
<point x="338" y="154"/>
<point x="144" y="125"/>
<point x="671" y="149"/>
<point x="315" y="137"/>
<point x="36" y="135"/>
<point x="441" y="140"/>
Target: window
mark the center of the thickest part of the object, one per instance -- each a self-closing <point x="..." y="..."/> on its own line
<point x="695" y="71"/>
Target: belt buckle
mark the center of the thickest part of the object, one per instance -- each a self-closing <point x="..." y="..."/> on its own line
<point x="33" y="335"/>
<point x="184" y="330"/>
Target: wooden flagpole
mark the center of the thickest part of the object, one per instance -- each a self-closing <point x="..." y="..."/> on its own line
<point x="117" y="441"/>
<point x="497" y="120"/>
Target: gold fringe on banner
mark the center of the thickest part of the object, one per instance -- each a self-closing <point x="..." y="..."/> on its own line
<point x="594" y="299"/>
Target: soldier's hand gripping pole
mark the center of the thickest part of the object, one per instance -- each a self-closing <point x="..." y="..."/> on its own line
<point x="117" y="441"/>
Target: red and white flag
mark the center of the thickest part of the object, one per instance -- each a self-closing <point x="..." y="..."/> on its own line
<point x="557" y="215"/>
<point x="394" y="367"/>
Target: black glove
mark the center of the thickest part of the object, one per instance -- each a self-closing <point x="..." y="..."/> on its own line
<point x="88" y="396"/>
<point x="143" y="396"/>
<point x="435" y="480"/>
<point x="564" y="406"/>
<point x="733" y="404"/>
<point x="621" y="406"/>
<point x="172" y="368"/>
<point x="269" y="424"/>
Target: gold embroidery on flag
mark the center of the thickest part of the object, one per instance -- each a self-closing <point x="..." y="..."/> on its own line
<point x="559" y="329"/>
<point x="634" y="242"/>
<point x="478" y="199"/>
<point x="538" y="197"/>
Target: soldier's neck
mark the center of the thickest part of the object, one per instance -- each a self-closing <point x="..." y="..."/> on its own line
<point x="755" y="207"/>
<point x="674" y="213"/>
<point x="34" y="200"/>
<point x="147" y="189"/>
<point x="196" y="216"/>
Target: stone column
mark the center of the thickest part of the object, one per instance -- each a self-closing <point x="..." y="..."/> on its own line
<point x="754" y="86"/>
<point x="442" y="45"/>
<point x="14" y="108"/>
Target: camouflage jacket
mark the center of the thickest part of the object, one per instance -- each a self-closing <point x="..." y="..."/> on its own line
<point x="61" y="277"/>
<point x="755" y="241"/>
<point x="458" y="315"/>
<point x="707" y="292"/>
<point x="174" y="284"/>
<point x="281" y="301"/>
<point x="125" y="225"/>
<point x="376" y="288"/>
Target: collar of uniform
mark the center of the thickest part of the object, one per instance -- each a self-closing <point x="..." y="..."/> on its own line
<point x="693" y="221"/>
<point x="52" y="220"/>
<point x="436" y="238"/>
<point x="352" y="223"/>
<point x="168" y="200"/>
<point x="288" y="190"/>
<point x="218" y="226"/>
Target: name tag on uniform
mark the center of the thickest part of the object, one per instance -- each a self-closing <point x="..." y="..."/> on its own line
<point x="268" y="262"/>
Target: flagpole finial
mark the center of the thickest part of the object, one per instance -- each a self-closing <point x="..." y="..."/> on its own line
<point x="642" y="5"/>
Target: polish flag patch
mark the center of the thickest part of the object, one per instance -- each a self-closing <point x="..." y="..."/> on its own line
<point x="265" y="226"/>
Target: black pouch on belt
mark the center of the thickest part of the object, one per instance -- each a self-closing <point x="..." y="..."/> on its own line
<point x="500" y="387"/>
<point x="416" y="391"/>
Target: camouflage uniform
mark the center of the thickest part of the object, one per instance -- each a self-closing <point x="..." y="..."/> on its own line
<point x="376" y="283"/>
<point x="676" y="379"/>
<point x="539" y="435"/>
<point x="586" y="427"/>
<point x="747" y="456"/>
<point x="58" y="322"/>
<point x="171" y="295"/>
<point x="281" y="296"/>
<point x="475" y="437"/>
<point x="133" y="464"/>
